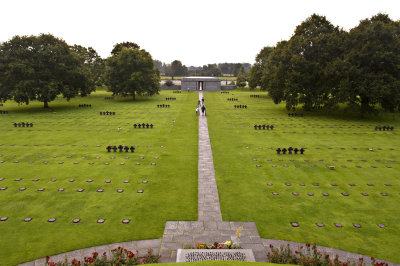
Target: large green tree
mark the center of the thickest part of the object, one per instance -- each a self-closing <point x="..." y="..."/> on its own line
<point x="40" y="68"/>
<point x="301" y="71"/>
<point x="131" y="71"/>
<point x="177" y="69"/>
<point x="371" y="68"/>
<point x="91" y="64"/>
<point x="256" y="70"/>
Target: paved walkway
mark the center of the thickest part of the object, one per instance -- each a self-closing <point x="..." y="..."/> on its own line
<point x="208" y="229"/>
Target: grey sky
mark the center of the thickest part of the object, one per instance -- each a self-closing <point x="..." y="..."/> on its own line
<point x="195" y="32"/>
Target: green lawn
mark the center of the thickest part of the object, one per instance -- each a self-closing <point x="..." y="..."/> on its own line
<point x="245" y="196"/>
<point x="70" y="134"/>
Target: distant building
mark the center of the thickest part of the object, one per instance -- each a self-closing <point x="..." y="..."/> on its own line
<point x="200" y="84"/>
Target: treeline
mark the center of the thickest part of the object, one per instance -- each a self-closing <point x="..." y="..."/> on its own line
<point x="44" y="67"/>
<point x="177" y="69"/>
<point x="322" y="66"/>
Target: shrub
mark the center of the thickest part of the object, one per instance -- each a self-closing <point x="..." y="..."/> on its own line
<point x="169" y="83"/>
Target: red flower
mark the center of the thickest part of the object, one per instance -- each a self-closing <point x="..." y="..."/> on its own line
<point x="271" y="246"/>
<point x="301" y="246"/>
<point x="47" y="258"/>
<point x="296" y="252"/>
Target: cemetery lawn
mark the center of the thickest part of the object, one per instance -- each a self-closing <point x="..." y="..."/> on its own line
<point x="329" y="139"/>
<point x="67" y="142"/>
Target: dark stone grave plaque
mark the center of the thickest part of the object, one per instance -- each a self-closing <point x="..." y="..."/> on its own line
<point x="273" y="165"/>
<point x="61" y="189"/>
<point x="269" y="184"/>
<point x="80" y="190"/>
<point x="257" y="165"/>
<point x="18" y="179"/>
<point x="388" y="166"/>
<point x="107" y="181"/>
<point x="120" y="190"/>
<point x="35" y="180"/>
<point x="41" y="189"/>
<point x="126" y="181"/>
<point x="381" y="225"/>
<point x="106" y="163"/>
<point x="51" y="220"/>
<point x="22" y="189"/>
<point x="3" y="219"/>
<point x="89" y="180"/>
<point x="27" y="219"/>
<point x="275" y="193"/>
<point x="100" y="221"/>
<point x="316" y="185"/>
<point x="325" y="194"/>
<point x="140" y="191"/>
<point x="71" y="180"/>
<point x="295" y="194"/>
<point x="310" y="194"/>
<point x="384" y="194"/>
<point x="302" y="185"/>
<point x="137" y="163"/>
<point x="345" y="194"/>
<point x="122" y="163"/>
<point x="320" y="224"/>
<point x="288" y="184"/>
<point x="126" y="221"/>
<point x="338" y="225"/>
<point x="100" y="190"/>
<point x="357" y="225"/>
<point x="75" y="221"/>
<point x="3" y="188"/>
<point x="53" y="180"/>
<point x="352" y="185"/>
<point x="144" y="181"/>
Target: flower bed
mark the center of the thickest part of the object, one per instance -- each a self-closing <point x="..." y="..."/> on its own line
<point x="216" y="245"/>
<point x="119" y="257"/>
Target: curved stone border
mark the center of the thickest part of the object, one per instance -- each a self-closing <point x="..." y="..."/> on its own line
<point x="141" y="246"/>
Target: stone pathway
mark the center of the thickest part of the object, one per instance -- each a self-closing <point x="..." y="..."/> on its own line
<point x="208" y="229"/>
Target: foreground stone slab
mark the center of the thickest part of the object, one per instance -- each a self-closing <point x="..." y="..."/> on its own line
<point x="189" y="255"/>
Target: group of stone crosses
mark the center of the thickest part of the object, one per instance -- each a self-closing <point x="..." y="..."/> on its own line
<point x="85" y="105"/>
<point x="384" y="128"/>
<point x="290" y="150"/>
<point x="23" y="124"/>
<point x="254" y="96"/>
<point x="163" y="105"/>
<point x="107" y="113"/>
<point x="176" y="92"/>
<point x="3" y="112"/>
<point x="241" y="106"/>
<point x="226" y="92"/>
<point x="295" y="115"/>
<point x="263" y="127"/>
<point x="120" y="148"/>
<point x="143" y="125"/>
<point x="232" y="99"/>
<point x="170" y="98"/>
<point x="108" y="98"/>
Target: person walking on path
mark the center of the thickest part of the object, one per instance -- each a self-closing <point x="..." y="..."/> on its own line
<point x="202" y="100"/>
<point x="203" y="109"/>
<point x="197" y="110"/>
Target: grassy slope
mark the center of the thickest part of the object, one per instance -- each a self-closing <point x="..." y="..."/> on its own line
<point x="245" y="196"/>
<point x="171" y="188"/>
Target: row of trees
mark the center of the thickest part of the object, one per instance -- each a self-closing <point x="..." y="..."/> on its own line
<point x="177" y="69"/>
<point x="44" y="67"/>
<point x="322" y="66"/>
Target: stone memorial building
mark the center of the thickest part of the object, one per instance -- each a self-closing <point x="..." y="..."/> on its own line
<point x="200" y="84"/>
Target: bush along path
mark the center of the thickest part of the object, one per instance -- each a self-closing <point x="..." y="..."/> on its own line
<point x="209" y="228"/>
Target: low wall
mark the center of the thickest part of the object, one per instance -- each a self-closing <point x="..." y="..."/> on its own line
<point x="172" y="87"/>
<point x="228" y="87"/>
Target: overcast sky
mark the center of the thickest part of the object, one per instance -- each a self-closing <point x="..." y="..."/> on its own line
<point x="195" y="32"/>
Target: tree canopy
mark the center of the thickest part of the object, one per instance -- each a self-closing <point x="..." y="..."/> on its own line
<point x="131" y="71"/>
<point x="40" y="68"/>
<point x="322" y="66"/>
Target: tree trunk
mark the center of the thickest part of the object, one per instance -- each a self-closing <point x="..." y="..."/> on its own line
<point x="133" y="96"/>
<point x="46" y="104"/>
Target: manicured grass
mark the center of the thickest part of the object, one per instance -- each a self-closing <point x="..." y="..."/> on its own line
<point x="244" y="195"/>
<point x="69" y="134"/>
